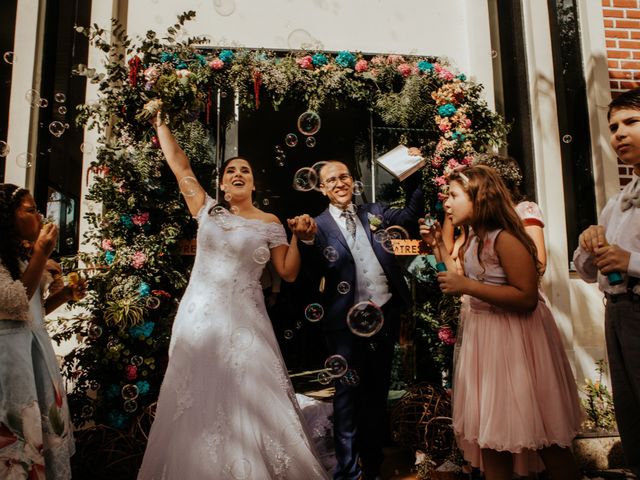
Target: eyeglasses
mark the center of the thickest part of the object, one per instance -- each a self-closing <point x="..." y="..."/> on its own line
<point x="333" y="181"/>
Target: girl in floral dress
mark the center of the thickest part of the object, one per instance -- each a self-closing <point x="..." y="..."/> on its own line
<point x="515" y="402"/>
<point x="36" y="438"/>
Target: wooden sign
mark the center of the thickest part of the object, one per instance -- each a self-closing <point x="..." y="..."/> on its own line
<point x="409" y="247"/>
<point x="188" y="247"/>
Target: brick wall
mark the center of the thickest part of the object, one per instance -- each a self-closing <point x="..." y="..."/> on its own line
<point x="622" y="34"/>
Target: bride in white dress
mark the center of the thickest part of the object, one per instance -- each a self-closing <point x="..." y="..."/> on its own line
<point x="227" y="408"/>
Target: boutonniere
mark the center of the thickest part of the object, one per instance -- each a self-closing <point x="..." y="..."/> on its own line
<point x="375" y="221"/>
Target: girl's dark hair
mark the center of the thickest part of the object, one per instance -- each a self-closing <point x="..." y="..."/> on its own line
<point x="508" y="170"/>
<point x="492" y="207"/>
<point x="629" y="99"/>
<point x="10" y="242"/>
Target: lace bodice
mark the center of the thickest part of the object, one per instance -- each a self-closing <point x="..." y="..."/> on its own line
<point x="232" y="250"/>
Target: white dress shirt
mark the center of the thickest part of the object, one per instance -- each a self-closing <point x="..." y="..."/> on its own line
<point x="622" y="228"/>
<point x="371" y="281"/>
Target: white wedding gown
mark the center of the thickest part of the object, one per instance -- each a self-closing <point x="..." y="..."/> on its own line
<point x="227" y="409"/>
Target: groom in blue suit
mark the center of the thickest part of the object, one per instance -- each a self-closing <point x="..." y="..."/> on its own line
<point x="339" y="245"/>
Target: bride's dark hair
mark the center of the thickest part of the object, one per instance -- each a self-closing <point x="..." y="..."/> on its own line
<point x="223" y="168"/>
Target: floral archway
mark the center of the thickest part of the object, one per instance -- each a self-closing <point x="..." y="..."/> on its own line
<point x="138" y="272"/>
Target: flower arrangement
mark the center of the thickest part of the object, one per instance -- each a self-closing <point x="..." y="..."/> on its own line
<point x="138" y="269"/>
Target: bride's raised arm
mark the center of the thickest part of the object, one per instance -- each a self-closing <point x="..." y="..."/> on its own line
<point x="180" y="166"/>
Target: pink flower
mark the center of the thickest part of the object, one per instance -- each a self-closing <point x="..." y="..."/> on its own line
<point x="131" y="372"/>
<point x="466" y="123"/>
<point x="445" y="334"/>
<point x="107" y="245"/>
<point x="443" y="72"/>
<point x="453" y="164"/>
<point x="140" y="218"/>
<point x="138" y="260"/>
<point x="151" y="74"/>
<point x="155" y="142"/>
<point x="362" y="65"/>
<point x="436" y="161"/>
<point x="444" y="125"/>
<point x="183" y="73"/>
<point x="440" y="181"/>
<point x="405" y="69"/>
<point x="378" y="60"/>
<point x="305" y="62"/>
<point x="216" y="64"/>
<point x="394" y="59"/>
<point x="467" y="160"/>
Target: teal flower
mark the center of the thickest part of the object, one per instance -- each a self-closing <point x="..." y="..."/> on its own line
<point x="458" y="136"/>
<point x="226" y="56"/>
<point x="126" y="221"/>
<point x="113" y="391"/>
<point x="447" y="110"/>
<point x="346" y="59"/>
<point x="168" y="57"/>
<point x="144" y="289"/>
<point x="117" y="419"/>
<point x="182" y="66"/>
<point x="319" y="60"/>
<point x="201" y="59"/>
<point x="109" y="257"/>
<point x="142" y="331"/>
<point x="462" y="77"/>
<point x="425" y="66"/>
<point x="143" y="387"/>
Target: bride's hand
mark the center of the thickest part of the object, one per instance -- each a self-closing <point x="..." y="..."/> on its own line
<point x="303" y="226"/>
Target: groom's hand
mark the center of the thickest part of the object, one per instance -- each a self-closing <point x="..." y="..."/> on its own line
<point x="303" y="226"/>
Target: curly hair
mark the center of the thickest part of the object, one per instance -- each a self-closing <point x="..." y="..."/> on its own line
<point x="492" y="208"/>
<point x="509" y="171"/>
<point x="10" y="242"/>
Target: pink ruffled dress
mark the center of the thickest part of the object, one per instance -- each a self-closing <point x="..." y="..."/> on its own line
<point x="514" y="389"/>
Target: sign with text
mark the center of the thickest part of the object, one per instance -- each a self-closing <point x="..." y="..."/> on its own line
<point x="409" y="247"/>
<point x="188" y="247"/>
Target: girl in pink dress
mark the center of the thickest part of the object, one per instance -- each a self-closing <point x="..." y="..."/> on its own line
<point x="515" y="403"/>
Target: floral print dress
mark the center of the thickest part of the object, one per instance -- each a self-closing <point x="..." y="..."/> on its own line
<point x="36" y="439"/>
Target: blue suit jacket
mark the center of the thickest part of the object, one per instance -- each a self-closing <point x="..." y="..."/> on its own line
<point x="335" y="304"/>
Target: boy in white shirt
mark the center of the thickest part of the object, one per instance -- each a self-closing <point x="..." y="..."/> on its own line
<point x="609" y="253"/>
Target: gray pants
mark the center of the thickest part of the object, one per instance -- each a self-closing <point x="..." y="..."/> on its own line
<point x="622" y="330"/>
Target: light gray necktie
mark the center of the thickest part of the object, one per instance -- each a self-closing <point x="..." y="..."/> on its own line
<point x="350" y="218"/>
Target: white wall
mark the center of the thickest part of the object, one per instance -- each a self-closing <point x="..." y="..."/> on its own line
<point x="456" y="29"/>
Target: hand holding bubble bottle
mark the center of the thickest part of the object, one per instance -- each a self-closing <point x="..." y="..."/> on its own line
<point x="614" y="278"/>
<point x="430" y="223"/>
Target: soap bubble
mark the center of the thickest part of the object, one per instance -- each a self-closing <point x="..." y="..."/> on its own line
<point x="261" y="255"/>
<point x="56" y="128"/>
<point x="305" y="179"/>
<point x="291" y="140"/>
<point x="314" y="312"/>
<point x="309" y="123"/>
<point x="25" y="160"/>
<point x="365" y="319"/>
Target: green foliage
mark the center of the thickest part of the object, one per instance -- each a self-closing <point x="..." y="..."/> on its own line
<point x="598" y="403"/>
<point x="137" y="271"/>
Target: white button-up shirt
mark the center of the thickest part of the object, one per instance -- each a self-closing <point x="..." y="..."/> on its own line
<point x="622" y="228"/>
